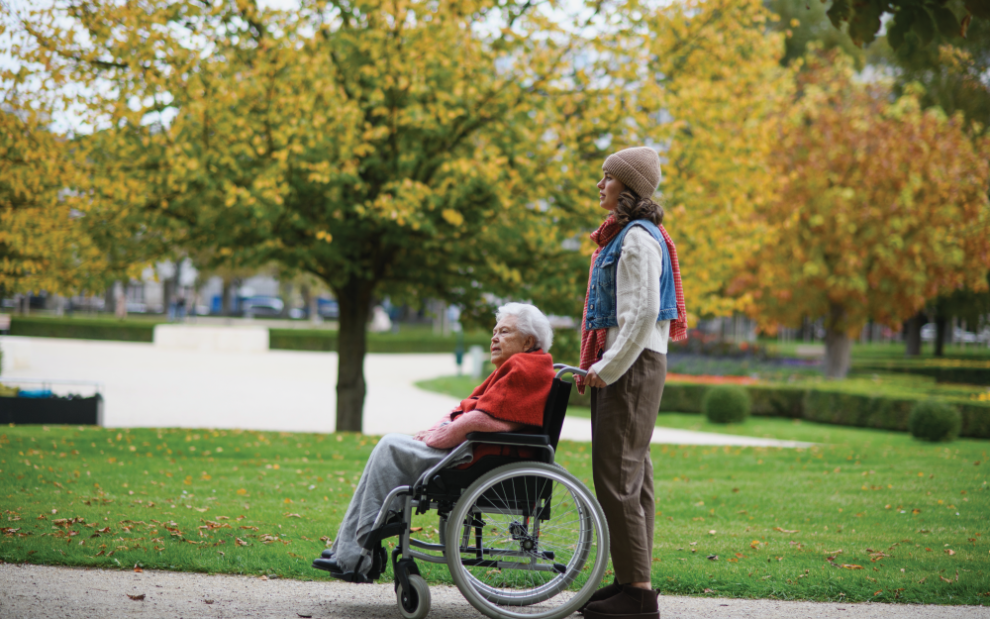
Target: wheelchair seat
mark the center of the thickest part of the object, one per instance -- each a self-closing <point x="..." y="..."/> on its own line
<point x="450" y="483"/>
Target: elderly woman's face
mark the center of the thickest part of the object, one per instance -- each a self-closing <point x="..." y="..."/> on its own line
<point x="507" y="340"/>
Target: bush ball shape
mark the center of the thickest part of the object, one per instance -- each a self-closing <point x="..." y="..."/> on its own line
<point x="726" y="404"/>
<point x="932" y="420"/>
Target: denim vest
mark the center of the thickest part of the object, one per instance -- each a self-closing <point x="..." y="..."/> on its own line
<point x="601" y="293"/>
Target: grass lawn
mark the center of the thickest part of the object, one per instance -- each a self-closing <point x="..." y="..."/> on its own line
<point x="864" y="516"/>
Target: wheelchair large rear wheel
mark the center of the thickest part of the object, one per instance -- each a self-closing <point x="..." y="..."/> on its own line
<point x="527" y="541"/>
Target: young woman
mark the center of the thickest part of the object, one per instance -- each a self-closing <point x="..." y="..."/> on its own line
<point x="635" y="304"/>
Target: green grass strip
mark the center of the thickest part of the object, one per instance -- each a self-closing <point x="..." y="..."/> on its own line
<point x="753" y="522"/>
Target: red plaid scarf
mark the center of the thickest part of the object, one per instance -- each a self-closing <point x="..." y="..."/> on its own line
<point x="593" y="340"/>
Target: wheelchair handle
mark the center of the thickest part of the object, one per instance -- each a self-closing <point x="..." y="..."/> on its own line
<point x="568" y="369"/>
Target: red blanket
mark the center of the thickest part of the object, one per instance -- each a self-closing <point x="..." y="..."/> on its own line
<point x="517" y="391"/>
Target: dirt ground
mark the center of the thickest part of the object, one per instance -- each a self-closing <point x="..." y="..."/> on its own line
<point x="31" y="591"/>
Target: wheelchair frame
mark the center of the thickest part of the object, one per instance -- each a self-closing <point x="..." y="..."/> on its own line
<point x="411" y="590"/>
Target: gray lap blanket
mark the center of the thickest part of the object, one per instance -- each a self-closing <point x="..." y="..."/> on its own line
<point x="397" y="460"/>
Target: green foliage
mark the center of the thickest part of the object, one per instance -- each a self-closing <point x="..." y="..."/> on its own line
<point x="726" y="404"/>
<point x="805" y="23"/>
<point x="775" y="512"/>
<point x="932" y="420"/>
<point x="926" y="19"/>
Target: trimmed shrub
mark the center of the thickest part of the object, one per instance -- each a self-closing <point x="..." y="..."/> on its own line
<point x="726" y="404"/>
<point x="932" y="420"/>
<point x="83" y="329"/>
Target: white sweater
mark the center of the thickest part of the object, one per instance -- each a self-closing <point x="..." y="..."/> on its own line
<point x="637" y="307"/>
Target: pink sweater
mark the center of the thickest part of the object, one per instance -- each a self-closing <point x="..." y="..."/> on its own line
<point x="447" y="434"/>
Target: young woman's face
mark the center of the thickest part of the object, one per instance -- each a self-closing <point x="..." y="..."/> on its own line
<point x="608" y="192"/>
<point x="507" y="340"/>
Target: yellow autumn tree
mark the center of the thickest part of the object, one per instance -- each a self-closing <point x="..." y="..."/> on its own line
<point x="44" y="245"/>
<point x="717" y="91"/>
<point x="883" y="205"/>
<point x="411" y="148"/>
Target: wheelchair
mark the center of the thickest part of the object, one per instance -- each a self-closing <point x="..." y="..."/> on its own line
<point x="522" y="537"/>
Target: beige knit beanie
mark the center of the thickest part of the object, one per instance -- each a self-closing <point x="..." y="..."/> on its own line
<point x="638" y="168"/>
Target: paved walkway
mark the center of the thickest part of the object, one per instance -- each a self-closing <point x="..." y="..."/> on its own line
<point x="147" y="386"/>
<point x="31" y="591"/>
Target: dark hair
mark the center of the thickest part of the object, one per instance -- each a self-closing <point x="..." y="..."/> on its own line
<point x="632" y="207"/>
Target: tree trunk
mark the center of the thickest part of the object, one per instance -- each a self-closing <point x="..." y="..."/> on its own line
<point x="354" y="300"/>
<point x="912" y="334"/>
<point x="838" y="344"/>
<point x="110" y="299"/>
<point x="941" y="331"/>
<point x="225" y="302"/>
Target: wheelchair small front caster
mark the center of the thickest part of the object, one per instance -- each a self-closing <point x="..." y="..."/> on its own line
<point x="415" y="603"/>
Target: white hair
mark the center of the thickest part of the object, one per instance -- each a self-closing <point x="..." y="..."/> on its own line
<point x="530" y="321"/>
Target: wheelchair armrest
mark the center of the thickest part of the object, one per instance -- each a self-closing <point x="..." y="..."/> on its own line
<point x="509" y="438"/>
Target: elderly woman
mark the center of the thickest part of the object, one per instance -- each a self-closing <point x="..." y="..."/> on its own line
<point x="511" y="399"/>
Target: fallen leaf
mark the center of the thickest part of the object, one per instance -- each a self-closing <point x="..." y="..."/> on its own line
<point x="136" y="598"/>
<point x="755" y="544"/>
<point x="950" y="551"/>
<point x="834" y="552"/>
<point x="713" y="557"/>
<point x="740" y="555"/>
<point x="138" y="569"/>
<point x="293" y="516"/>
<point x="240" y="542"/>
<point x="851" y="566"/>
<point x="416" y="529"/>
<point x="784" y="530"/>
<point x="712" y="532"/>
<point x="709" y="591"/>
<point x="944" y="579"/>
<point x="207" y="601"/>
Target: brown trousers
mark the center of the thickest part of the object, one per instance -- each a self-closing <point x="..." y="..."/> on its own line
<point x="623" y="416"/>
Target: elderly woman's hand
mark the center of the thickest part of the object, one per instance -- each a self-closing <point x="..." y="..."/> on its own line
<point x="593" y="380"/>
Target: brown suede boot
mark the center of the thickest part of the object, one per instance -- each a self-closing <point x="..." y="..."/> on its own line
<point x="631" y="603"/>
<point x="603" y="594"/>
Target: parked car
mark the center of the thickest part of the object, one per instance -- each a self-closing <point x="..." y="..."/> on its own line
<point x="959" y="335"/>
<point x="328" y="308"/>
<point x="261" y="306"/>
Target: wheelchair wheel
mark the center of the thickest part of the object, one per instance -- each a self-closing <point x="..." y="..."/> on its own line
<point x="415" y="603"/>
<point x="527" y="540"/>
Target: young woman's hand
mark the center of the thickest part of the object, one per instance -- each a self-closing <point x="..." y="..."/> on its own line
<point x="593" y="380"/>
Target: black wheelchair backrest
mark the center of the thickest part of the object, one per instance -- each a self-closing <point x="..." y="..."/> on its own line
<point x="555" y="410"/>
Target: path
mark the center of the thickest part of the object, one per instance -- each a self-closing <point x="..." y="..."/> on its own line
<point x="31" y="591"/>
<point x="146" y="386"/>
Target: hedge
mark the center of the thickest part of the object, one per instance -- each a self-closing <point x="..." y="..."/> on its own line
<point x="820" y="405"/>
<point x="324" y="340"/>
<point x="83" y="329"/>
<point x="279" y="339"/>
<point x="964" y="375"/>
